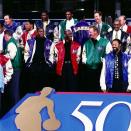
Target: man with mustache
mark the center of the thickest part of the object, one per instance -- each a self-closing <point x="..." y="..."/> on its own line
<point x="116" y="71"/>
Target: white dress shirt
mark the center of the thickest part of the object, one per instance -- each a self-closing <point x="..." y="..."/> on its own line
<point x="118" y="34"/>
<point x="69" y="24"/>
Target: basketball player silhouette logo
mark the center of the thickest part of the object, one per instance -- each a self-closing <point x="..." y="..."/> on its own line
<point x="29" y="118"/>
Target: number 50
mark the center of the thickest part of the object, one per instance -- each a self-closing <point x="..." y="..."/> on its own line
<point x="102" y="116"/>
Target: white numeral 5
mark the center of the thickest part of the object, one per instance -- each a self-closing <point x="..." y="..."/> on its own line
<point x="84" y="119"/>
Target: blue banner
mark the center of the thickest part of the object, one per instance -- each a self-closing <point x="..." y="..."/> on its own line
<point x="80" y="112"/>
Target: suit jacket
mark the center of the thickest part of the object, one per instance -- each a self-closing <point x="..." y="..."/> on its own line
<point x="104" y="29"/>
<point x="124" y="37"/>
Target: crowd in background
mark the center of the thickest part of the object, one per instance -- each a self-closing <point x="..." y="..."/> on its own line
<point x="72" y="56"/>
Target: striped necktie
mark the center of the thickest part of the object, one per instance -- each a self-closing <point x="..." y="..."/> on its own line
<point x="116" y="36"/>
<point x="99" y="28"/>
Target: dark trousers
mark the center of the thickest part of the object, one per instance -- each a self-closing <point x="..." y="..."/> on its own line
<point x="91" y="79"/>
<point x="119" y="90"/>
<point x="68" y="81"/>
<point x="11" y="94"/>
<point x="118" y="86"/>
<point x="37" y="76"/>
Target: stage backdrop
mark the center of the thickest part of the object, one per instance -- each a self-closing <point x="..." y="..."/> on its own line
<point x="74" y="112"/>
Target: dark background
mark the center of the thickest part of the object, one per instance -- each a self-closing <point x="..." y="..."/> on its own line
<point x="31" y="8"/>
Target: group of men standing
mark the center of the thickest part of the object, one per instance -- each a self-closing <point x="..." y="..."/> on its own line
<point x="67" y="57"/>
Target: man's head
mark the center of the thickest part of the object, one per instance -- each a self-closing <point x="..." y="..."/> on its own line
<point x="1" y="27"/>
<point x="116" y="25"/>
<point x="68" y="35"/>
<point x="69" y="14"/>
<point x="40" y="32"/>
<point x="93" y="31"/>
<point x="44" y="15"/>
<point x="116" y="45"/>
<point x="29" y="25"/>
<point x="7" y="35"/>
<point x="8" y="19"/>
<point x="122" y="20"/>
<point x="98" y="16"/>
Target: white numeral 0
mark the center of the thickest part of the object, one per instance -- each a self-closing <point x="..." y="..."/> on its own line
<point x="102" y="116"/>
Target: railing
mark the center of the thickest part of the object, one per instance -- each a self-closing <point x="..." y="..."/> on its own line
<point x="89" y="21"/>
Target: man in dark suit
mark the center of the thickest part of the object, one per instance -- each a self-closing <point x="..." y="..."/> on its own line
<point x="102" y="27"/>
<point x="117" y="33"/>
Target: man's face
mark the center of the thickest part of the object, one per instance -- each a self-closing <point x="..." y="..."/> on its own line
<point x="116" y="25"/>
<point x="116" y="46"/>
<point x="7" y="20"/>
<point x="44" y="16"/>
<point x="7" y="37"/>
<point x="40" y="32"/>
<point x="122" y="20"/>
<point x="69" y="15"/>
<point x="68" y="35"/>
<point x="97" y="18"/>
<point x="1" y="28"/>
<point x="28" y="26"/>
<point x="92" y="33"/>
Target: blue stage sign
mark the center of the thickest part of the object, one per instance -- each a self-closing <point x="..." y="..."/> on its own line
<point x="76" y="112"/>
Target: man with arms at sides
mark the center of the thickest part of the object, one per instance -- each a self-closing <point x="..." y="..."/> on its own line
<point x="38" y="67"/>
<point x="116" y="70"/>
<point x="93" y="50"/>
<point x="65" y="55"/>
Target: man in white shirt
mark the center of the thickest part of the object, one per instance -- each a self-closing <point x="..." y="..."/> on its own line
<point x="124" y="27"/>
<point x="102" y="26"/>
<point x="66" y="24"/>
<point x="117" y="33"/>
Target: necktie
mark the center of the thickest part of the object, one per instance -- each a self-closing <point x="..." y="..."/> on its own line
<point x="99" y="27"/>
<point x="44" y="26"/>
<point x="116" y="36"/>
<point x="122" y="28"/>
